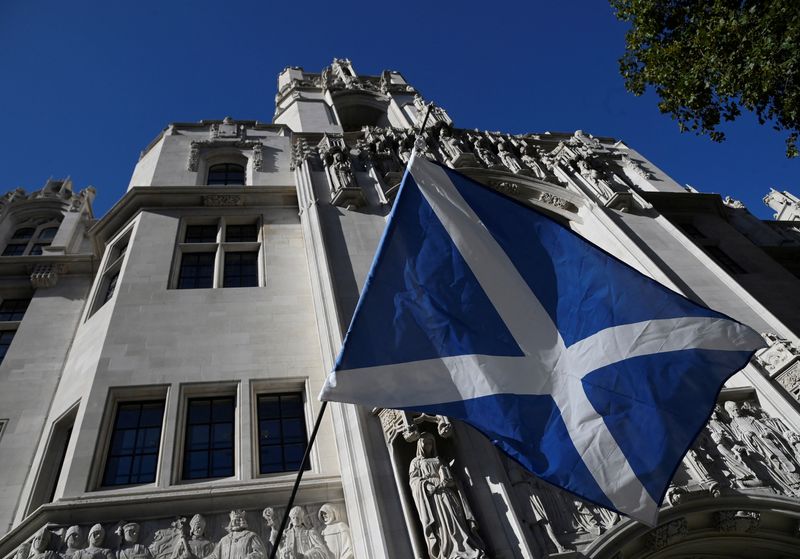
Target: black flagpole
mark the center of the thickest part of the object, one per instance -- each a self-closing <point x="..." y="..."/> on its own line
<point x="311" y="440"/>
<point x="297" y="480"/>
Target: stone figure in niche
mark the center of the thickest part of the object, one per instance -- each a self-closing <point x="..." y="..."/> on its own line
<point x="530" y="161"/>
<point x="764" y="440"/>
<point x="509" y="159"/>
<point x="40" y="546"/>
<point x="301" y="540"/>
<point x="336" y="533"/>
<point x="732" y="453"/>
<point x="97" y="536"/>
<point x="239" y="543"/>
<point x="342" y="169"/>
<point x="449" y="529"/>
<point x="529" y="489"/>
<point x="73" y="540"/>
<point x="484" y="154"/>
<point x="268" y="514"/>
<point x="451" y="146"/>
<point x="131" y="548"/>
<point x="585" y="519"/>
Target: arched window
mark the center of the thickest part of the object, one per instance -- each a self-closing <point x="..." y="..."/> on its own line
<point x="30" y="241"/>
<point x="225" y="174"/>
<point x="24" y="233"/>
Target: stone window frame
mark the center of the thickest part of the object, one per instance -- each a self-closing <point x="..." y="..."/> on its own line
<point x="264" y="387"/>
<point x="115" y="397"/>
<point x="38" y="225"/>
<point x="53" y="459"/>
<point x="219" y="247"/>
<point x="113" y="261"/>
<point x="192" y="391"/>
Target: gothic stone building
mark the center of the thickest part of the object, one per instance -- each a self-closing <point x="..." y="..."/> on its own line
<point x="160" y="364"/>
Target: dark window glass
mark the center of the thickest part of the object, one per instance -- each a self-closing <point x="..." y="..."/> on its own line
<point x="48" y="234"/>
<point x="281" y="432"/>
<point x="13" y="309"/>
<point x="201" y="234"/>
<point x="241" y="269"/>
<point x="241" y="233"/>
<point x="721" y="258"/>
<point x="208" y="448"/>
<point x="225" y="173"/>
<point x="24" y="233"/>
<point x="36" y="249"/>
<point x="691" y="230"/>
<point x="15" y="249"/>
<point x="5" y="340"/>
<point x="112" y="285"/>
<point x="197" y="270"/>
<point x="133" y="453"/>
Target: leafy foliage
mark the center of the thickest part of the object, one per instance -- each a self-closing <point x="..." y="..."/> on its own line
<point x="709" y="59"/>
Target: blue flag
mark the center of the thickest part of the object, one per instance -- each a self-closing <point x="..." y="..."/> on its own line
<point x="591" y="375"/>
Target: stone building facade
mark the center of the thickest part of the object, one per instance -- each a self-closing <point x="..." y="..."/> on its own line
<point x="160" y="363"/>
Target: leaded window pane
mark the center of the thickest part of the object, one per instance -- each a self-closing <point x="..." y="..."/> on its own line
<point x="201" y="234"/>
<point x="15" y="249"/>
<point x="24" y="233"/>
<point x="225" y="174"/>
<point x="13" y="309"/>
<point x="282" y="436"/>
<point x="209" y="442"/>
<point x="241" y="233"/>
<point x="197" y="270"/>
<point x="241" y="269"/>
<point x="135" y="439"/>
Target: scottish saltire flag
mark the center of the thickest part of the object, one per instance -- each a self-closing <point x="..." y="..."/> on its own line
<point x="591" y="375"/>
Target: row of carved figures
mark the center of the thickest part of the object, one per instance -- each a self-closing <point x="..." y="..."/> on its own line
<point x="742" y="447"/>
<point x="189" y="540"/>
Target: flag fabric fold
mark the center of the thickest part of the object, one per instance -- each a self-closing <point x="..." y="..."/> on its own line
<point x="591" y="375"/>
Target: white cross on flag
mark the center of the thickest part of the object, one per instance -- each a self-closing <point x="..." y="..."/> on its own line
<point x="591" y="375"/>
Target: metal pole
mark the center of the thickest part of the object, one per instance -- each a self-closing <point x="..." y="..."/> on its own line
<point x="425" y="120"/>
<point x="297" y="480"/>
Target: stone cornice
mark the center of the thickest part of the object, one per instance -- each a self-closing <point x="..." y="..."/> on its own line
<point x="141" y="197"/>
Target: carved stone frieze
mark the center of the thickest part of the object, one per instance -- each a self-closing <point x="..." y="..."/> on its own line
<point x="222" y="200"/>
<point x="314" y="531"/>
<point x="741" y="449"/>
<point x="741" y="521"/>
<point x="635" y="167"/>
<point x="781" y="362"/>
<point x="667" y="534"/>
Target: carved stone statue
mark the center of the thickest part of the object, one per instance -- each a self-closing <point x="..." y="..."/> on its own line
<point x="301" y="540"/>
<point x="530" y="161"/>
<point x="268" y="514"/>
<point x="528" y="489"/>
<point x="240" y="543"/>
<point x="97" y="536"/>
<point x="131" y="548"/>
<point x="73" y="539"/>
<point x="508" y="158"/>
<point x="450" y="145"/>
<point x="484" y="154"/>
<point x="732" y="453"/>
<point x="336" y="533"/>
<point x="449" y="528"/>
<point x="23" y="551"/>
<point x="764" y="440"/>
<point x="40" y="546"/>
<point x="197" y="546"/>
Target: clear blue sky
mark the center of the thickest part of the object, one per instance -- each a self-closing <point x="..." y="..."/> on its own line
<point x="87" y="84"/>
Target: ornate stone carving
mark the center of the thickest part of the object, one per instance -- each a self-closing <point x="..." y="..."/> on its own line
<point x="509" y="158"/>
<point x="268" y="514"/>
<point x="40" y="546"/>
<point x="240" y="543"/>
<point x="733" y="203"/>
<point x="745" y="522"/>
<point x="505" y="187"/>
<point x="301" y="152"/>
<point x="667" y="534"/>
<point x="447" y="521"/>
<point x="301" y="540"/>
<point x="781" y="361"/>
<point x="635" y="167"/>
<point x="194" y="157"/>
<point x="130" y="547"/>
<point x="258" y="158"/>
<point x="528" y="489"/>
<point x="95" y="550"/>
<point x="220" y="200"/>
<point x="336" y="532"/>
<point x="339" y="169"/>
<point x="485" y="155"/>
<point x="46" y="275"/>
<point x="553" y="200"/>
<point x="73" y="539"/>
<point x="227" y="129"/>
